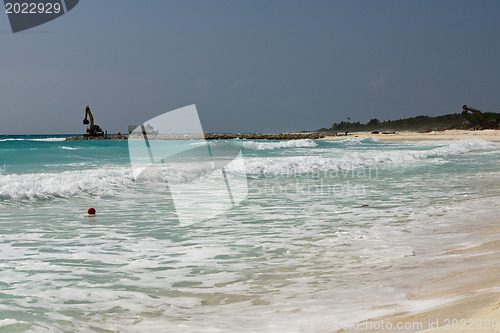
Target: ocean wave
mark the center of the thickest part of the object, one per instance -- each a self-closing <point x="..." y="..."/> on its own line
<point x="48" y="139"/>
<point x="116" y="179"/>
<point x="102" y="181"/>
<point x="4" y="140"/>
<point x="39" y="139"/>
<point x="456" y="147"/>
<point x="79" y="183"/>
<point x="355" y="159"/>
<point x="351" y="141"/>
<point x="258" y="145"/>
<point x="69" y="148"/>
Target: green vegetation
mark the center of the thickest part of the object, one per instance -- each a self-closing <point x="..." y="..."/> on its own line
<point x="419" y="123"/>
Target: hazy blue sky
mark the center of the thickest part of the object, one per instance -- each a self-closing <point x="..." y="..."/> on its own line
<point x="250" y="66"/>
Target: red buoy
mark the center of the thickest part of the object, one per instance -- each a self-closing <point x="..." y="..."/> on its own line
<point x="91" y="211"/>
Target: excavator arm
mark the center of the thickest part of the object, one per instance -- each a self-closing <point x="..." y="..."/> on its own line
<point x="88" y="115"/>
<point x="466" y="110"/>
<point x="475" y="119"/>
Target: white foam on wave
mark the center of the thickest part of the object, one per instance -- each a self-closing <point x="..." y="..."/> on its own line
<point x="64" y="184"/>
<point x="48" y="139"/>
<point x="351" y="141"/>
<point x="39" y="140"/>
<point x="257" y="145"/>
<point x="4" y="140"/>
<point x="355" y="159"/>
<point x="69" y="148"/>
<point x="98" y="182"/>
<point x="8" y="322"/>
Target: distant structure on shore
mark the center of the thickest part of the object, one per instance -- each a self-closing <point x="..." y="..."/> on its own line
<point x="147" y="128"/>
<point x="476" y="119"/>
<point x="131" y="128"/>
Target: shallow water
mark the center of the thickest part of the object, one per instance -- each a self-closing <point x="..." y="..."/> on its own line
<point x="319" y="242"/>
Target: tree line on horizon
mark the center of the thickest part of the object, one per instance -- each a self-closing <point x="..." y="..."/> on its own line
<point x="419" y="123"/>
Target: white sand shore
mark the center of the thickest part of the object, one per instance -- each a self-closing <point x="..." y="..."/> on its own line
<point x="474" y="299"/>
<point x="489" y="135"/>
<point x="477" y="308"/>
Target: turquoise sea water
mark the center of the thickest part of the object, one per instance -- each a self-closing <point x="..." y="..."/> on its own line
<point x="320" y="241"/>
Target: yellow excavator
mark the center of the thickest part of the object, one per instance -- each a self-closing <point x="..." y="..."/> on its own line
<point x="476" y="112"/>
<point x="93" y="129"/>
<point x="476" y="119"/>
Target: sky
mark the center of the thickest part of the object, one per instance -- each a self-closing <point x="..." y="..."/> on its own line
<point x="249" y="66"/>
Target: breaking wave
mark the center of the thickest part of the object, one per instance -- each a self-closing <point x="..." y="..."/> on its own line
<point x="259" y="145"/>
<point x="356" y="159"/>
<point x="64" y="184"/>
<point x="38" y="140"/>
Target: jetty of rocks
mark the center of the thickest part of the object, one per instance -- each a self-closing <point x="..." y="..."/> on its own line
<point x="208" y="136"/>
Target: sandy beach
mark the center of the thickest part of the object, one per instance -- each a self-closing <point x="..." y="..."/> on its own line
<point x="489" y="135"/>
<point x="476" y="290"/>
<point x="471" y="293"/>
<point x="474" y="296"/>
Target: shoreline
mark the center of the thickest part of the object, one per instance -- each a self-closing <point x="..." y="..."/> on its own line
<point x="474" y="295"/>
<point x="471" y="294"/>
<point x="488" y="135"/>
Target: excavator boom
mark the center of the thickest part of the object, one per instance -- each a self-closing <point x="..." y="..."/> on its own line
<point x="89" y="115"/>
<point x="93" y="130"/>
<point x="475" y="118"/>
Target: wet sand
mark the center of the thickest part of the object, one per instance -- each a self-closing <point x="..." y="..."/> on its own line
<point x="476" y="307"/>
<point x="472" y="294"/>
